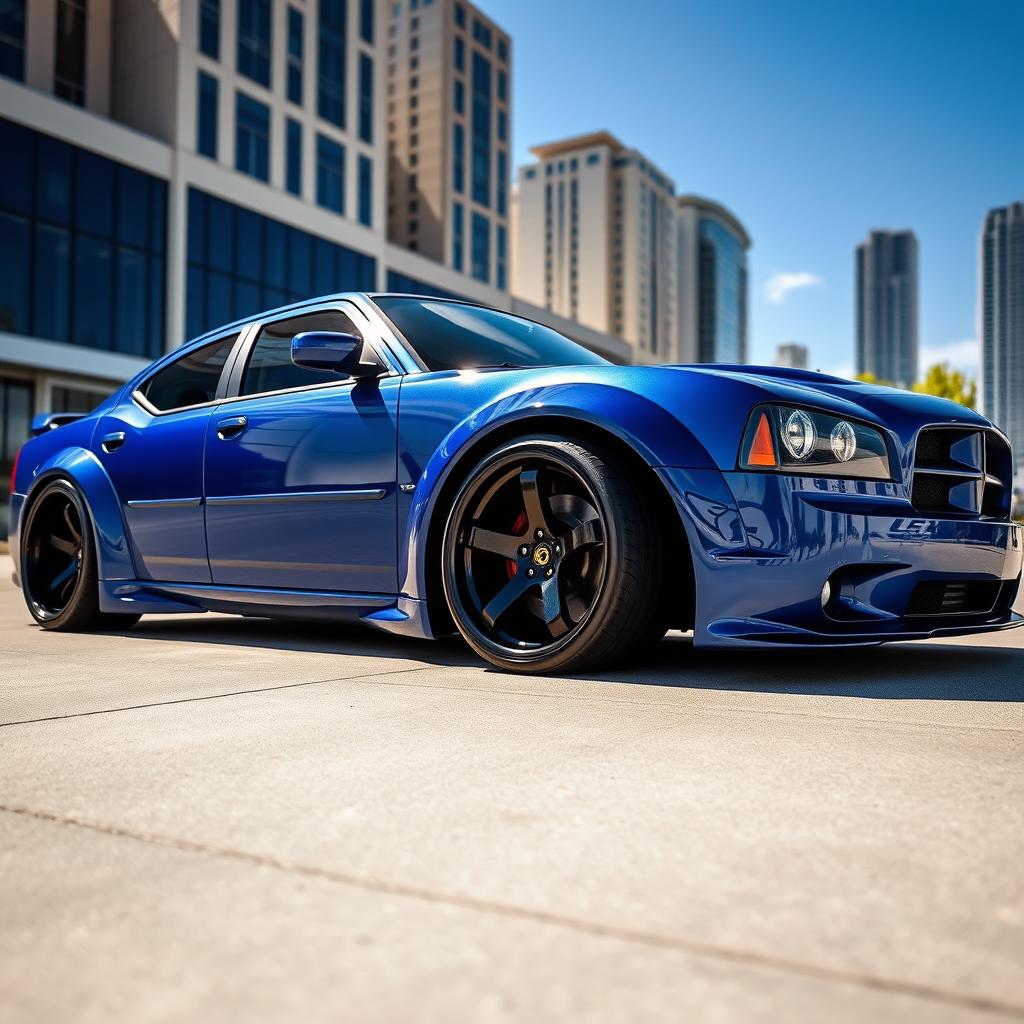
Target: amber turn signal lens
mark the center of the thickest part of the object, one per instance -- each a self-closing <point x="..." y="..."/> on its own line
<point x="762" y="448"/>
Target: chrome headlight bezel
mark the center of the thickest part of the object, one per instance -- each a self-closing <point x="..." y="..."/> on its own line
<point x="871" y="459"/>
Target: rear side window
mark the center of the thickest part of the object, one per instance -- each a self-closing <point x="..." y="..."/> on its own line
<point x="270" y="365"/>
<point x="190" y="380"/>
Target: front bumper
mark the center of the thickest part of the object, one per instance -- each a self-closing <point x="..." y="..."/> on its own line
<point x="764" y="546"/>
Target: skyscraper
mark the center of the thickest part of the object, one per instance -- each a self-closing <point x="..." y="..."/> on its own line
<point x="595" y="240"/>
<point x="1002" y="322"/>
<point x="791" y="355"/>
<point x="711" y="261"/>
<point x="886" y="269"/>
<point x="449" y="129"/>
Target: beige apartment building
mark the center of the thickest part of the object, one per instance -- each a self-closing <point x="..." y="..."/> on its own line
<point x="595" y="241"/>
<point x="449" y="134"/>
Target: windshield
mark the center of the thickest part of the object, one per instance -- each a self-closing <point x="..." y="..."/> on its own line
<point x="455" y="336"/>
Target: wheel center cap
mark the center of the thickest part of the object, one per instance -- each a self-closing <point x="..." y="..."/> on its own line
<point x="542" y="554"/>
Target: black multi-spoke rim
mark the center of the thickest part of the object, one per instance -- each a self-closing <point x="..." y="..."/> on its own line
<point x="53" y="553"/>
<point x="529" y="556"/>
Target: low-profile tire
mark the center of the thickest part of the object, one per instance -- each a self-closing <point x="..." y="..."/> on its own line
<point x="58" y="564"/>
<point x="550" y="559"/>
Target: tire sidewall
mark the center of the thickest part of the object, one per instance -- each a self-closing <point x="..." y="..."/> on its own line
<point x="558" y="450"/>
<point x="83" y="601"/>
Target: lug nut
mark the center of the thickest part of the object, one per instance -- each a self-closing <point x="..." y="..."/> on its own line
<point x="529" y="572"/>
<point x="524" y="551"/>
<point x="540" y="534"/>
<point x="550" y="572"/>
<point x="558" y="549"/>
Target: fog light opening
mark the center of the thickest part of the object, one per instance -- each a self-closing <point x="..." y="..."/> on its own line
<point x="826" y="594"/>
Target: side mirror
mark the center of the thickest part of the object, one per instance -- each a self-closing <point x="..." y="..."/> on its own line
<point x="329" y="350"/>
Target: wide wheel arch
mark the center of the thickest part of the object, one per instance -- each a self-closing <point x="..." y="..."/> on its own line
<point x="678" y="589"/>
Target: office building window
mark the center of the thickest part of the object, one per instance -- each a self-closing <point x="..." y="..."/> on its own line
<point x="460" y="96"/>
<point x="593" y="158"/>
<point x="209" y="28"/>
<point x="254" y="40"/>
<point x="502" y="192"/>
<point x="295" y="47"/>
<point x="501" y="271"/>
<point x="460" y="15"/>
<point x="82" y="246"/>
<point x="64" y="399"/>
<point x="481" y="130"/>
<point x="69" y="52"/>
<point x="206" y="115"/>
<point x="502" y="86"/>
<point x="502" y="50"/>
<point x="481" y="33"/>
<point x="15" y="424"/>
<point x="365" y="98"/>
<point x="502" y="126"/>
<point x="241" y="262"/>
<point x="458" y="158"/>
<point x="330" y="174"/>
<point x="366" y="21"/>
<point x="365" y="190"/>
<point x="331" y="70"/>
<point x="460" y="54"/>
<point x="458" y="236"/>
<point x="481" y="242"/>
<point x="12" y="39"/>
<point x="252" y="137"/>
<point x="293" y="157"/>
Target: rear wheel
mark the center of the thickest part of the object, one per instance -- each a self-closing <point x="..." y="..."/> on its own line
<point x="58" y="569"/>
<point x="550" y="558"/>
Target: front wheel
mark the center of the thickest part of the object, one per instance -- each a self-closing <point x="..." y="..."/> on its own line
<point x="550" y="558"/>
<point x="58" y="568"/>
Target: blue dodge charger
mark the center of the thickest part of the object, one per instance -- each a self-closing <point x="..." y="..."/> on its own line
<point x="425" y="466"/>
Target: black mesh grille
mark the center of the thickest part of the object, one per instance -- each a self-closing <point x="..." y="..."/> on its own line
<point x="954" y="597"/>
<point x="931" y="493"/>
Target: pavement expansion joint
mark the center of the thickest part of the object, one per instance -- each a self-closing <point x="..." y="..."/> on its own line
<point x="749" y="958"/>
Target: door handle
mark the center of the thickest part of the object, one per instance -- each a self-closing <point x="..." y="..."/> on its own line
<point x="111" y="442"/>
<point x="231" y="427"/>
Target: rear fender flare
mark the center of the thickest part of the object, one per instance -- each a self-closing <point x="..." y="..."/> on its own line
<point x="82" y="468"/>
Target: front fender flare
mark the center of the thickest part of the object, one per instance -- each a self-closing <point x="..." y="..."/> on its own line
<point x="113" y="552"/>
<point x="657" y="437"/>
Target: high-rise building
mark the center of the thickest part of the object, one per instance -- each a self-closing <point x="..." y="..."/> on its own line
<point x="449" y="132"/>
<point x="791" y="355"/>
<point x="1001" y="310"/>
<point x="711" y="261"/>
<point x="594" y="232"/>
<point x="886" y="315"/>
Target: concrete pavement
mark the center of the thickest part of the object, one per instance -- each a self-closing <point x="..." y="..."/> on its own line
<point x="221" y="819"/>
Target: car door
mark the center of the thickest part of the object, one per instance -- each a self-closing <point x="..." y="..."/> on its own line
<point x="151" y="446"/>
<point x="301" y="468"/>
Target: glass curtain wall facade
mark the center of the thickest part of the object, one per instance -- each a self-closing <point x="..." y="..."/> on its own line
<point x="83" y="242"/>
<point x="241" y="262"/>
<point x="722" y="287"/>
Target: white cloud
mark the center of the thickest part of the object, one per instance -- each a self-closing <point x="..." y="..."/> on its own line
<point x="961" y="355"/>
<point x="778" y="286"/>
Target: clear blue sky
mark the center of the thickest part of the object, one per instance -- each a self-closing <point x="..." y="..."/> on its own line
<point x="814" y="122"/>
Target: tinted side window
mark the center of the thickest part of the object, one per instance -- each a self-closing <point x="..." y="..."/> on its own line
<point x="190" y="380"/>
<point x="270" y="365"/>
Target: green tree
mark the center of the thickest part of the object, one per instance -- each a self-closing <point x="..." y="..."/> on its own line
<point x="944" y="382"/>
<point x="870" y="378"/>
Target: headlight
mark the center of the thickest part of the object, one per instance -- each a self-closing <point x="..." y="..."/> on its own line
<point x="790" y="440"/>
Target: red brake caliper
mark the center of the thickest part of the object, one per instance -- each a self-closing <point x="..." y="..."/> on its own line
<point x="518" y="527"/>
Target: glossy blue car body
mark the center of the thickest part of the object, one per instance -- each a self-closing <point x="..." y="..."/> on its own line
<point x="332" y="502"/>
